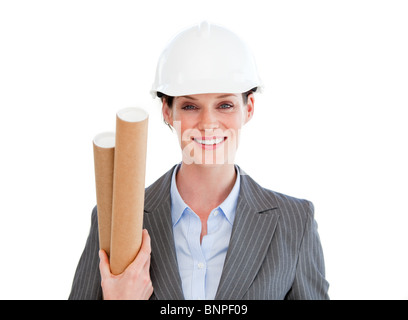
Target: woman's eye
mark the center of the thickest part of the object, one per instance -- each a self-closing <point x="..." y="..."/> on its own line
<point x="226" y="106"/>
<point x="189" y="107"/>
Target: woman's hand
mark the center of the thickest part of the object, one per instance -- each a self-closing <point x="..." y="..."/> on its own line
<point x="132" y="284"/>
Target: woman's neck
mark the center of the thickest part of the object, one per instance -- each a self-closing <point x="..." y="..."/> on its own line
<point x="203" y="188"/>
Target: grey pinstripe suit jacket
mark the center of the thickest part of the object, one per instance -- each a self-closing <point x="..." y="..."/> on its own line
<point x="274" y="251"/>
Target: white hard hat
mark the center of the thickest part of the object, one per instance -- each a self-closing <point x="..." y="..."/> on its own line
<point x="205" y="58"/>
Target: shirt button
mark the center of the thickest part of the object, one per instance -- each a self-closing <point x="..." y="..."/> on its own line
<point x="216" y="212"/>
<point x="200" y="265"/>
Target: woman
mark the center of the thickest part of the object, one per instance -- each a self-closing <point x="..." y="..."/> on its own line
<point x="211" y="232"/>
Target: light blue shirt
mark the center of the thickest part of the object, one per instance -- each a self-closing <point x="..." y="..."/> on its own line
<point x="200" y="265"/>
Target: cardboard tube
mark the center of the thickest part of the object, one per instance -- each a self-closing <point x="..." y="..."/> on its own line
<point x="128" y="187"/>
<point x="104" y="148"/>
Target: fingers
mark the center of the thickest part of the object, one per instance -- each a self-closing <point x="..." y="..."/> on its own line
<point x="146" y="245"/>
<point x="104" y="267"/>
<point x="142" y="259"/>
<point x="134" y="282"/>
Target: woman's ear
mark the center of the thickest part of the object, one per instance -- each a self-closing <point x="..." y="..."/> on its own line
<point x="249" y="108"/>
<point x="167" y="112"/>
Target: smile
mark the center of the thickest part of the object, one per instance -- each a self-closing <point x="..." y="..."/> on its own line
<point x="210" y="142"/>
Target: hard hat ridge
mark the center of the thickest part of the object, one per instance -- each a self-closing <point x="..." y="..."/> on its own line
<point x="204" y="29"/>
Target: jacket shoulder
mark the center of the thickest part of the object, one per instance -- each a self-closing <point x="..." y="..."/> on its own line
<point x="264" y="197"/>
<point x="290" y="201"/>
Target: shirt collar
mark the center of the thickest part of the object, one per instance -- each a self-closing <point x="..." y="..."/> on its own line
<point x="177" y="203"/>
<point x="228" y="206"/>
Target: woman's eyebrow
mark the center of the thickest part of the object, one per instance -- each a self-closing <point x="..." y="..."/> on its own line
<point x="225" y="96"/>
<point x="188" y="97"/>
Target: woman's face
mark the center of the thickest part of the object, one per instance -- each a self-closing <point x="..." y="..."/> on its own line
<point x="208" y="125"/>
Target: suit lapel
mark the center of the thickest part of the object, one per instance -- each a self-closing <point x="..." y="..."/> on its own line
<point x="253" y="229"/>
<point x="157" y="220"/>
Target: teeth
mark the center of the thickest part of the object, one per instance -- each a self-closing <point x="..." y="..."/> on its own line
<point x="209" y="142"/>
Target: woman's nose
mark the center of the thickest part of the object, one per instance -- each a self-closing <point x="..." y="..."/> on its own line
<point x="208" y="120"/>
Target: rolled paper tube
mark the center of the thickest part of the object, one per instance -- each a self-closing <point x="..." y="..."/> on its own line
<point x="128" y="187"/>
<point x="104" y="149"/>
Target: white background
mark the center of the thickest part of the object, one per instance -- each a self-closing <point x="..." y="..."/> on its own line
<point x="331" y="125"/>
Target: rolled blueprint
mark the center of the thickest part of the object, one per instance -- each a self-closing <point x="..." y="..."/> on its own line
<point x="128" y="187"/>
<point x="104" y="148"/>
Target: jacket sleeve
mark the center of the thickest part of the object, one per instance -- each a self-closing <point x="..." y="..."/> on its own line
<point x="87" y="280"/>
<point x="310" y="282"/>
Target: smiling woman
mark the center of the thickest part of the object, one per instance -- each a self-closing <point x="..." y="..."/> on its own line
<point x="208" y="125"/>
<point x="213" y="232"/>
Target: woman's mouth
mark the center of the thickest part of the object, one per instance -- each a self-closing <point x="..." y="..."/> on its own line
<point x="209" y="142"/>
